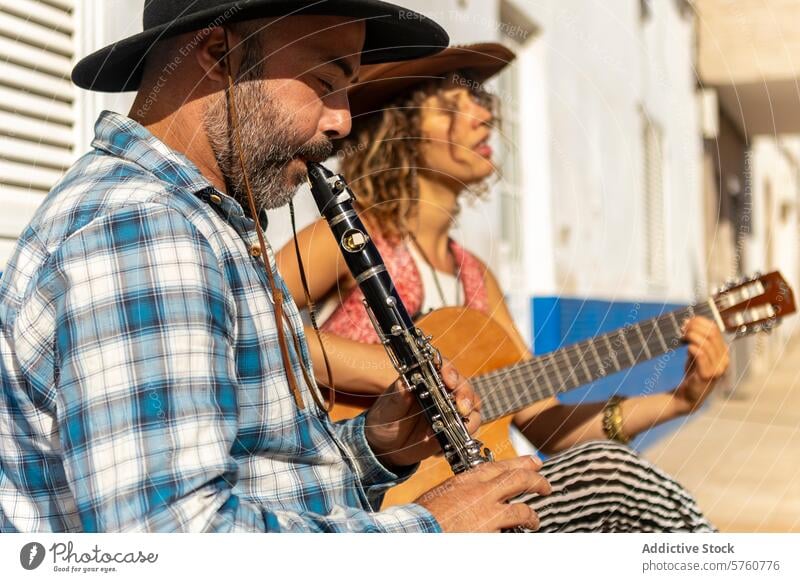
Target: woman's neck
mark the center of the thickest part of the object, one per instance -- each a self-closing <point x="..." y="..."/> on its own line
<point x="433" y="220"/>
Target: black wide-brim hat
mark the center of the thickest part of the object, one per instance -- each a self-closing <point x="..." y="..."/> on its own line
<point x="393" y="33"/>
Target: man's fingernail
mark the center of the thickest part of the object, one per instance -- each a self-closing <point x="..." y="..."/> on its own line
<point x="537" y="460"/>
<point x="465" y="406"/>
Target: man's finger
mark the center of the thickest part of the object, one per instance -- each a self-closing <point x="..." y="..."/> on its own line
<point x="467" y="402"/>
<point x="515" y="515"/>
<point x="464" y="406"/>
<point x="488" y="471"/>
<point x="397" y="400"/>
<point x="453" y="379"/>
<point x="519" y="481"/>
<point x="465" y="396"/>
<point x="473" y="421"/>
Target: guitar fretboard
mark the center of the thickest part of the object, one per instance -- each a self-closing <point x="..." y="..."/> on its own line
<point x="508" y="390"/>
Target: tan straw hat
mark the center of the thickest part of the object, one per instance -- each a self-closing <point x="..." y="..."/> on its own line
<point x="379" y="84"/>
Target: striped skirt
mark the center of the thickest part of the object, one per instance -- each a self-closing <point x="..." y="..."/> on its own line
<point x="604" y="486"/>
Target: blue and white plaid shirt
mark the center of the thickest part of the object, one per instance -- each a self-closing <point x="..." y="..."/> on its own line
<point x="142" y="383"/>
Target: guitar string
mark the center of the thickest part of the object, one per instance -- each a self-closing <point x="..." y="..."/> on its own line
<point x="587" y="345"/>
<point x="523" y="376"/>
<point x="497" y="395"/>
<point x="504" y="389"/>
<point x="627" y="335"/>
<point x="659" y="321"/>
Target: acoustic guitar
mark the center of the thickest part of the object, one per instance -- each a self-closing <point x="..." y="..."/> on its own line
<point x="508" y="379"/>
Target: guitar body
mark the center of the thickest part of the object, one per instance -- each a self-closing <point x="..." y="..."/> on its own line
<point x="475" y="344"/>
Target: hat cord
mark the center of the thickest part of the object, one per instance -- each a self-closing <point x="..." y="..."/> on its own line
<point x="277" y="292"/>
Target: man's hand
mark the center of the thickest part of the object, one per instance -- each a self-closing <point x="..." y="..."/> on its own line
<point x="475" y="501"/>
<point x="708" y="360"/>
<point x="398" y="431"/>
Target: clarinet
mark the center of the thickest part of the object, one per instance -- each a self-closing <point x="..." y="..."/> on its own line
<point x="411" y="352"/>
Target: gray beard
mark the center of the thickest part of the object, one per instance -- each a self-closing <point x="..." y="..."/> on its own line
<point x="268" y="145"/>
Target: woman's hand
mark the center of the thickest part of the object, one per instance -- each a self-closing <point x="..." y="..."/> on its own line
<point x="708" y="361"/>
<point x="398" y="431"/>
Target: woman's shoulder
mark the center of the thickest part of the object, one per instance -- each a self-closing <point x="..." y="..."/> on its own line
<point x="464" y="255"/>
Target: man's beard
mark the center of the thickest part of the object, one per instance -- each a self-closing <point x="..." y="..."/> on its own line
<point x="268" y="146"/>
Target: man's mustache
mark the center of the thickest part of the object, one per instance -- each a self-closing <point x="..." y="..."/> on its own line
<point x="316" y="151"/>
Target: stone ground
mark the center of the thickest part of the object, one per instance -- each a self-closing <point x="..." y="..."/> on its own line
<point x="741" y="456"/>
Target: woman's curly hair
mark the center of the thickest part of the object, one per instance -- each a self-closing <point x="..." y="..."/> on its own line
<point x="380" y="159"/>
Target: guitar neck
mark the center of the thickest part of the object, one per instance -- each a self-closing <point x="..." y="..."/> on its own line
<point x="511" y="389"/>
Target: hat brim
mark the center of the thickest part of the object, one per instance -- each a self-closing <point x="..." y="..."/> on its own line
<point x="379" y="84"/>
<point x="393" y="33"/>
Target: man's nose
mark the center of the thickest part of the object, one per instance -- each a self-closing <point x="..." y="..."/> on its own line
<point x="336" y="121"/>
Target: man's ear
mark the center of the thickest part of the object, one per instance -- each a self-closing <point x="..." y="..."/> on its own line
<point x="210" y="54"/>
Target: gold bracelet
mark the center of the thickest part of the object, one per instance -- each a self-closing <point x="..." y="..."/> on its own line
<point x="612" y="420"/>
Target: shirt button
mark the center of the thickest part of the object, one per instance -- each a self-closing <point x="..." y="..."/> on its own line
<point x="255" y="251"/>
<point x="215" y="199"/>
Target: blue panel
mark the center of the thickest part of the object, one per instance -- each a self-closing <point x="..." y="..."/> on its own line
<point x="561" y="321"/>
<point x="547" y="324"/>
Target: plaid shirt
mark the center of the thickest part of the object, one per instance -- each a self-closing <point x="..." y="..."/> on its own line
<point x="142" y="383"/>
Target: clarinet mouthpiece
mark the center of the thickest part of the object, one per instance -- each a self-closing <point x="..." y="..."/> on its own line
<point x="319" y="170"/>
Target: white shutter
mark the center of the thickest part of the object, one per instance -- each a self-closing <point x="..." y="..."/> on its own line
<point x="37" y="113"/>
<point x="654" y="212"/>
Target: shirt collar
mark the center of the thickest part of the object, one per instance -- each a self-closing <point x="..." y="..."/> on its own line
<point x="124" y="138"/>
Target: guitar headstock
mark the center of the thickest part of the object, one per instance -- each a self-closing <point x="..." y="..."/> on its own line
<point x="755" y="304"/>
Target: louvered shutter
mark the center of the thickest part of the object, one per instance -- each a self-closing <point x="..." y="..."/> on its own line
<point x="37" y="137"/>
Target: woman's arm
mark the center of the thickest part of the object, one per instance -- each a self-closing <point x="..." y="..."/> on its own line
<point x="553" y="427"/>
<point x="563" y="426"/>
<point x="324" y="265"/>
<point x="357" y="367"/>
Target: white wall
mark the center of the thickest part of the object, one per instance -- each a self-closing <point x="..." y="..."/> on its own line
<point x="102" y="22"/>
<point x="670" y="95"/>
<point x="603" y="67"/>
<point x="773" y="244"/>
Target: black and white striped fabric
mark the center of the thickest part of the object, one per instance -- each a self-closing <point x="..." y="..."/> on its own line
<point x="604" y="486"/>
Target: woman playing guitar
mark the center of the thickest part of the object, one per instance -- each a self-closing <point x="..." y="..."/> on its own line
<point x="420" y="144"/>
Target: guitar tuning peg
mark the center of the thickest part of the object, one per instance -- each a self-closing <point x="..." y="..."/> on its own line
<point x="771" y="324"/>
